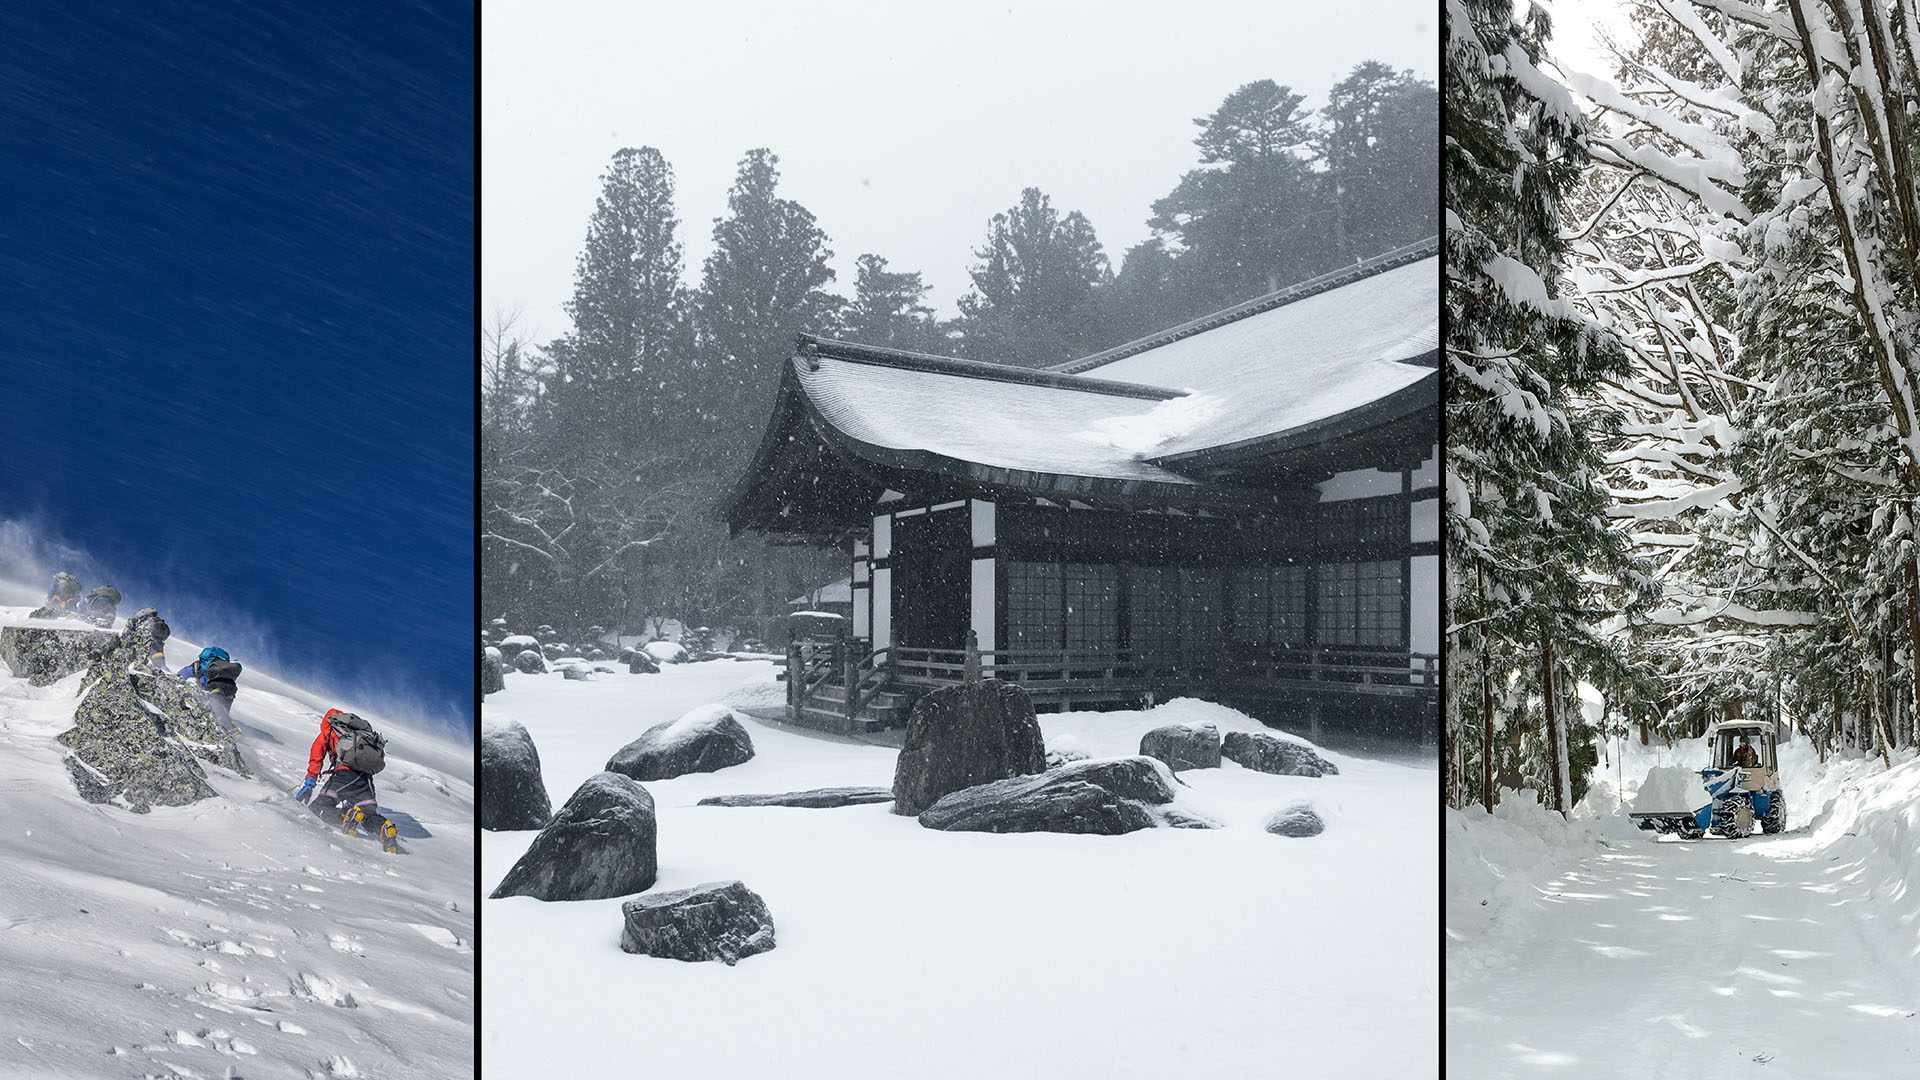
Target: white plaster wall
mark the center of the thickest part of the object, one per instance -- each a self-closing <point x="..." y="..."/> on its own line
<point x="983" y="614"/>
<point x="882" y="608"/>
<point x="983" y="523"/>
<point x="882" y="536"/>
<point x="1423" y="609"/>
<point x="1426" y="520"/>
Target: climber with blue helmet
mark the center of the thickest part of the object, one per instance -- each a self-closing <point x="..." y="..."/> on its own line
<point x="219" y="675"/>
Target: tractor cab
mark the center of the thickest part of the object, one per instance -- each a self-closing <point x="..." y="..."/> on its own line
<point x="1748" y="746"/>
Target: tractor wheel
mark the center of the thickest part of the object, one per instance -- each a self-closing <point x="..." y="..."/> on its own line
<point x="1776" y="819"/>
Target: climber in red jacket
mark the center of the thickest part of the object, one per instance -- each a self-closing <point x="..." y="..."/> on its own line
<point x="353" y="751"/>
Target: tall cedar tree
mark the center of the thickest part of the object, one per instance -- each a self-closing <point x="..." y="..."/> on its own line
<point x="1033" y="287"/>
<point x="1379" y="144"/>
<point x="765" y="281"/>
<point x="1526" y="524"/>
<point x="889" y="308"/>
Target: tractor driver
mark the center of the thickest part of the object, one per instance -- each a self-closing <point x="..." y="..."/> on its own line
<point x="1744" y="756"/>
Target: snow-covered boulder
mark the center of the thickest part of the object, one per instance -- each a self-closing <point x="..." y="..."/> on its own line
<point x="596" y="653"/>
<point x="512" y="793"/>
<point x="705" y="739"/>
<point x="638" y="662"/>
<point x="1107" y="797"/>
<point x="665" y="652"/>
<point x="577" y="673"/>
<point x="515" y="644"/>
<point x="139" y="733"/>
<point x="529" y="662"/>
<point x="600" y="844"/>
<point x="46" y="654"/>
<point x="554" y="650"/>
<point x="815" y="799"/>
<point x="1298" y="819"/>
<point x="962" y="736"/>
<point x="493" y="671"/>
<point x="1184" y="746"/>
<point x="1271" y="754"/>
<point x="721" y="920"/>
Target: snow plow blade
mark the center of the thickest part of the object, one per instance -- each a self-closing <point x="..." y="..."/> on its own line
<point x="1682" y="824"/>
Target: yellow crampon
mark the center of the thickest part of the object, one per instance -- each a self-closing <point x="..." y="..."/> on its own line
<point x="353" y="818"/>
<point x="390" y="838"/>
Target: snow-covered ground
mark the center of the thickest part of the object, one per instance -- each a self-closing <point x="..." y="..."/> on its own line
<point x="236" y="936"/>
<point x="1165" y="953"/>
<point x="1590" y="948"/>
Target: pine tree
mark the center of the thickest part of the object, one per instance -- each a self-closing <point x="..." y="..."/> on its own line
<point x="1250" y="219"/>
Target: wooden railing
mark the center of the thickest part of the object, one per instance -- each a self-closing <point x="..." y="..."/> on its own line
<point x="844" y="677"/>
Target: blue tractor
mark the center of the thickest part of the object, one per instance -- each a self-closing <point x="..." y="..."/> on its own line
<point x="1742" y="785"/>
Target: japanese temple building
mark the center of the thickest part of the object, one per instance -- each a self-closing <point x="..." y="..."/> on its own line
<point x="1243" y="508"/>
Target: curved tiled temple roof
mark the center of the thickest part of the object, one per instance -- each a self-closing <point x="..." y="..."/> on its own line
<point x="1321" y="360"/>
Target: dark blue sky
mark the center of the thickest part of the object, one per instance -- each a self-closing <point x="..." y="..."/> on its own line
<point x="236" y="322"/>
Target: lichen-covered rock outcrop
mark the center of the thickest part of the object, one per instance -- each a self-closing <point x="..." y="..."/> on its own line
<point x="140" y="733"/>
<point x="43" y="655"/>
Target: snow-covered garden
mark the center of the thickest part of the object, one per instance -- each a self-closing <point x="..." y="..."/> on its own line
<point x="1225" y="952"/>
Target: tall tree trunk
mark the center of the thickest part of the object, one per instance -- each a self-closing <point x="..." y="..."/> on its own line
<point x="1556" y="730"/>
<point x="1489" y="794"/>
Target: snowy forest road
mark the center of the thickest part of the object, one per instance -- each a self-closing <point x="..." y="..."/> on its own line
<point x="1703" y="959"/>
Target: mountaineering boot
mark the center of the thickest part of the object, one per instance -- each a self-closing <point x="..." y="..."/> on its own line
<point x="352" y="819"/>
<point x="390" y="839"/>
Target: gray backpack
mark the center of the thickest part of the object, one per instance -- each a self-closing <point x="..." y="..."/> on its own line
<point x="357" y="745"/>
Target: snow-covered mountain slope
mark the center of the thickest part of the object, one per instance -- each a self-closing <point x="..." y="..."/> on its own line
<point x="1230" y="954"/>
<point x="236" y="936"/>
<point x="1589" y="946"/>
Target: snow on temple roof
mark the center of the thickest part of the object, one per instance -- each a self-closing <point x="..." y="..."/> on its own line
<point x="979" y="418"/>
<point x="1341" y="353"/>
<point x="1282" y="363"/>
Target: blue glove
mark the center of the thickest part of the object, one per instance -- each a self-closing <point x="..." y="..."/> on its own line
<point x="305" y="789"/>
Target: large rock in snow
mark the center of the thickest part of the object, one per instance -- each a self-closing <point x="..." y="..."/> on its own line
<point x="638" y="662"/>
<point x="721" y="920"/>
<point x="512" y="793"/>
<point x="815" y="799"/>
<point x="1107" y="797"/>
<point x="1269" y="754"/>
<point x="706" y="739"/>
<point x="493" y="671"/>
<point x="963" y="736"/>
<point x="46" y="654"/>
<point x="529" y="662"/>
<point x="1299" y="819"/>
<point x="140" y="734"/>
<point x="1184" y="746"/>
<point x="577" y="673"/>
<point x="600" y="844"/>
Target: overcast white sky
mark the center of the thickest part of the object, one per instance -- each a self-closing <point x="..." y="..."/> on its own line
<point x="1578" y="26"/>
<point x="903" y="126"/>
